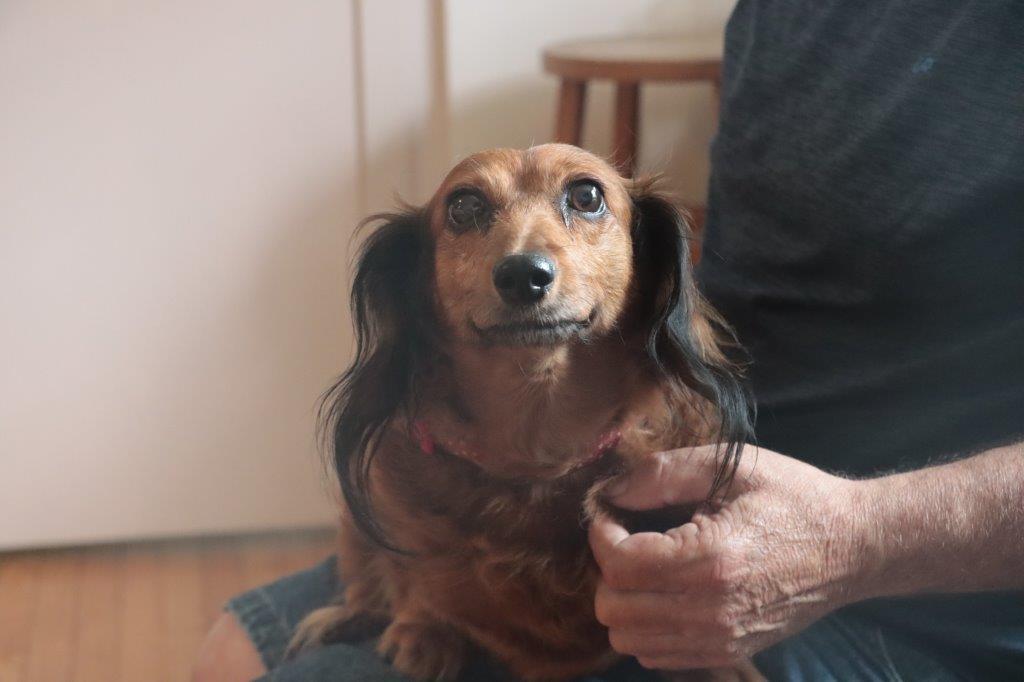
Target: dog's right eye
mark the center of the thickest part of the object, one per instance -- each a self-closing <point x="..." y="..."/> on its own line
<point x="466" y="210"/>
<point x="585" y="196"/>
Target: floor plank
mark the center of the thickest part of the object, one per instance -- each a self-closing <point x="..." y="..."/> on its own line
<point x="131" y="613"/>
<point x="181" y="594"/>
<point x="222" y="578"/>
<point x="51" y="651"/>
<point x="142" y="645"/>
<point x="18" y="588"/>
<point x="100" y="613"/>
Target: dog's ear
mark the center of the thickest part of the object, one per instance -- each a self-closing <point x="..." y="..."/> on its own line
<point x="391" y="313"/>
<point x="684" y="337"/>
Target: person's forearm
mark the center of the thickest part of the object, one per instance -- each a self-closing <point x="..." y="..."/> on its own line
<point x="958" y="527"/>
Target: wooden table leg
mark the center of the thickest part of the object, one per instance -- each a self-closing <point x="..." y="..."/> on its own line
<point x="627" y="127"/>
<point x="569" y="123"/>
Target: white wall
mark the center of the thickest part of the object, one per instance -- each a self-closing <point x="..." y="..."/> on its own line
<point x="175" y="198"/>
<point x="178" y="184"/>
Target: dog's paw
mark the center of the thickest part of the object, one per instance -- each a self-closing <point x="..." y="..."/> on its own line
<point x="424" y="651"/>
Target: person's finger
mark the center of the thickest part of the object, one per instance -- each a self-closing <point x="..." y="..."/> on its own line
<point x="667" y="478"/>
<point x="644" y="561"/>
<point x="631" y="562"/>
<point x="606" y="535"/>
<point x="651" y="612"/>
<point x="691" y="646"/>
<point x="648" y="645"/>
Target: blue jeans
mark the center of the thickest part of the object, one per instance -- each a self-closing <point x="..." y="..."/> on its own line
<point x="847" y="646"/>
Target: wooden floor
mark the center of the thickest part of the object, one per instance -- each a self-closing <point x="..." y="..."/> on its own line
<point x="133" y="613"/>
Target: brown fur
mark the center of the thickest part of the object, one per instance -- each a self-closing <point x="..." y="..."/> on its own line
<point x="496" y="554"/>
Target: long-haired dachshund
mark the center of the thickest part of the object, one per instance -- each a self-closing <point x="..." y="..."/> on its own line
<point x="521" y="338"/>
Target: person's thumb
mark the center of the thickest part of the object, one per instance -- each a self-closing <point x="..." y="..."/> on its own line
<point x="666" y="479"/>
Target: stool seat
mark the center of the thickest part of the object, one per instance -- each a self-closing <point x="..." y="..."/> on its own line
<point x="628" y="61"/>
<point x="637" y="58"/>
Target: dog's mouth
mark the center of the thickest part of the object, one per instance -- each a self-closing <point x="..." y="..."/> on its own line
<point x="541" y="331"/>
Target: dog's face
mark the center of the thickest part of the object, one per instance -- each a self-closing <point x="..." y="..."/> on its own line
<point x="532" y="247"/>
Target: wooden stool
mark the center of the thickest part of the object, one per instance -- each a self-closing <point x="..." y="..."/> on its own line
<point x="629" y="62"/>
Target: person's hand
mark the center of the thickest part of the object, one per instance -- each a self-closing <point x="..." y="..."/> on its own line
<point x="780" y="552"/>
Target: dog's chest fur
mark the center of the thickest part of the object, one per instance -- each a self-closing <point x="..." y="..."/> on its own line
<point x="506" y="560"/>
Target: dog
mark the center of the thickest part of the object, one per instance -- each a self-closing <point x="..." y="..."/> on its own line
<point x="521" y="339"/>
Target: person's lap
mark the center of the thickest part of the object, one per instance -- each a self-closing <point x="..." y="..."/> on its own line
<point x="844" y="646"/>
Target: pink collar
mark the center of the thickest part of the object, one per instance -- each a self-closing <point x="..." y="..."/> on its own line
<point x="429" y="445"/>
<point x="421" y="432"/>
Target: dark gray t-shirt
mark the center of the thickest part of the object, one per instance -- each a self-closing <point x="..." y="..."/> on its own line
<point x="866" y="239"/>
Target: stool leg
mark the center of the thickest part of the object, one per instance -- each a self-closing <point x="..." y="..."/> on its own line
<point x="627" y="127"/>
<point x="569" y="122"/>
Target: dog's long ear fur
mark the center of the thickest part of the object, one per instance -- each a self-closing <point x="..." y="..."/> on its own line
<point x="684" y="336"/>
<point x="391" y="313"/>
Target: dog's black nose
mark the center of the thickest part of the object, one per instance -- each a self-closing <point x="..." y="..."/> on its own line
<point x="524" y="278"/>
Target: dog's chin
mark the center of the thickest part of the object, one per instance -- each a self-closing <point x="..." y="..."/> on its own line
<point x="546" y="471"/>
<point x="541" y="331"/>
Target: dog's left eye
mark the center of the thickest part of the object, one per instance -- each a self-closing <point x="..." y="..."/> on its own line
<point x="466" y="210"/>
<point x="586" y="197"/>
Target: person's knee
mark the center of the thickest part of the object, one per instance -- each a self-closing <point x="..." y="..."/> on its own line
<point x="227" y="654"/>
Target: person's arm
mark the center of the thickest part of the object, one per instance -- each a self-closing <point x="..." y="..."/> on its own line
<point x="958" y="527"/>
<point x="791" y="543"/>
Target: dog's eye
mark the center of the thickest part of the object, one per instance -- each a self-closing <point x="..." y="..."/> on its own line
<point x="466" y="210"/>
<point x="586" y="197"/>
